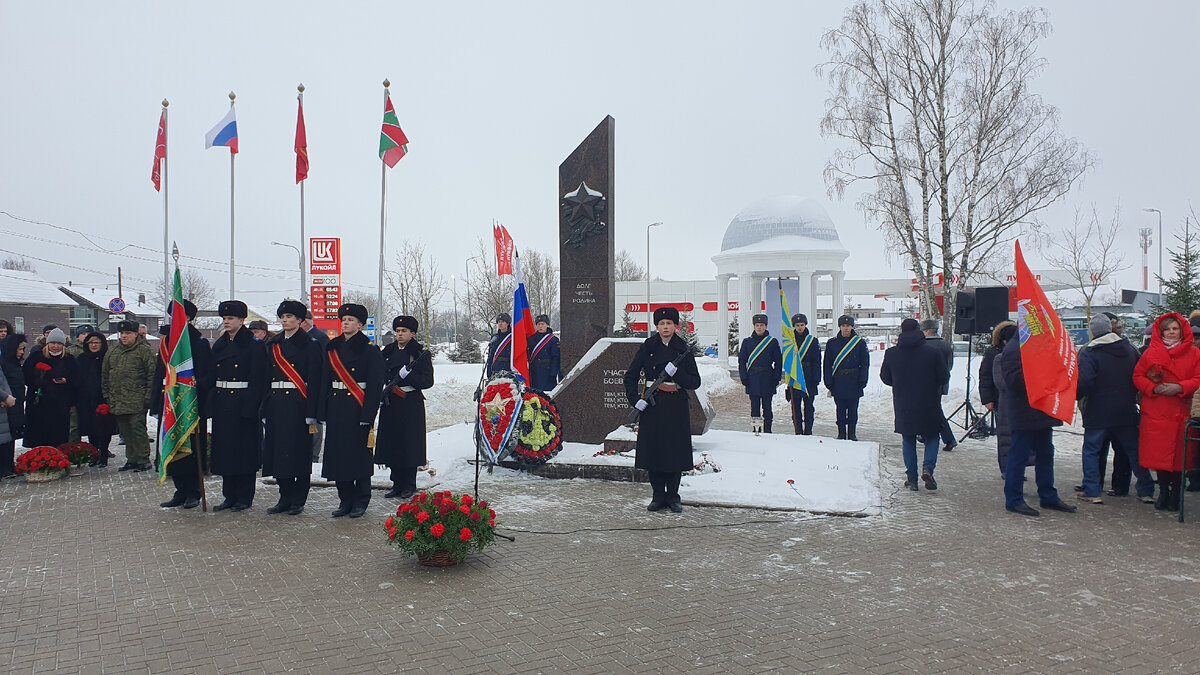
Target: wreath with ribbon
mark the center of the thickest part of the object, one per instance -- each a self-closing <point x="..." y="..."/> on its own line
<point x="539" y="429"/>
<point x="499" y="405"/>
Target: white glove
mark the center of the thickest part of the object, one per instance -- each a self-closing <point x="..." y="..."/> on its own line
<point x="641" y="404"/>
<point x="310" y="420"/>
<point x="404" y="371"/>
<point x="364" y="424"/>
<point x="264" y="421"/>
<point x="671" y="369"/>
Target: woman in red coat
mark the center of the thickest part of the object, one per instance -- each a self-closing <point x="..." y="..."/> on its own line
<point x="1167" y="375"/>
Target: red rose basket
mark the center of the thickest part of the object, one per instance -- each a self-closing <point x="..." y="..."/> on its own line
<point x="42" y="464"/>
<point x="441" y="528"/>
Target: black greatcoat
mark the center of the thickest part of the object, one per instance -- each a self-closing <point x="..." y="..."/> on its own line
<point x="347" y="456"/>
<point x="202" y="369"/>
<point x="916" y="371"/>
<point x="88" y="392"/>
<point x="401" y="438"/>
<point x="665" y="430"/>
<point x="851" y="376"/>
<point x="48" y="405"/>
<point x="497" y="362"/>
<point x="236" y="430"/>
<point x="287" y="447"/>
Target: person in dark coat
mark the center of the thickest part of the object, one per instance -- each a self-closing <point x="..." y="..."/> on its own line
<point x="809" y="351"/>
<point x="318" y="336"/>
<point x="7" y="440"/>
<point x="239" y="373"/>
<point x="12" y="350"/>
<point x="545" y="366"/>
<point x="1108" y="401"/>
<point x="990" y="390"/>
<point x="183" y="470"/>
<point x="401" y="441"/>
<point x="294" y="382"/>
<point x="94" y="422"/>
<point x="352" y="391"/>
<point x="664" y="436"/>
<point x="1032" y="433"/>
<point x="760" y="367"/>
<point x="916" y="371"/>
<point x="49" y="393"/>
<point x="500" y="346"/>
<point x="847" y="365"/>
<point x="930" y="328"/>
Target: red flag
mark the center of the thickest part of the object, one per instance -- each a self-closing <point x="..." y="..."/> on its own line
<point x="504" y="250"/>
<point x="301" y="142"/>
<point x="1048" y="355"/>
<point x="160" y="151"/>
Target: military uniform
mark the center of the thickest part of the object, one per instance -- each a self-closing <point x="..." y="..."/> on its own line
<point x="128" y="384"/>
<point x="810" y="369"/>
<point x="760" y="367"/>
<point x="348" y="460"/>
<point x="847" y="380"/>
<point x="545" y="364"/>
<point x="239" y="375"/>
<point x="499" y="356"/>
<point x="664" y="437"/>
<point x="290" y="411"/>
<point x="185" y="471"/>
<point x="401" y="440"/>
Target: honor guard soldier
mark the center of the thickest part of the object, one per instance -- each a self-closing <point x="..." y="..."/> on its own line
<point x="847" y="364"/>
<point x="240" y="373"/>
<point x="401" y="441"/>
<point x="760" y="367"/>
<point x="183" y="470"/>
<point x="295" y="378"/>
<point x="664" y="437"/>
<point x="500" y="347"/>
<point x="808" y="352"/>
<point x="545" y="365"/>
<point x="353" y="388"/>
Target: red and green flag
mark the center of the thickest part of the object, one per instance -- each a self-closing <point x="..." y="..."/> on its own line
<point x="393" y="144"/>
<point x="181" y="412"/>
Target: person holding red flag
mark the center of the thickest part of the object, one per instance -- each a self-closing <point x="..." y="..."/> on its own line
<point x="1167" y="376"/>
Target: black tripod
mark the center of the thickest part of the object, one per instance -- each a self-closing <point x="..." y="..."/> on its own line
<point x="975" y="425"/>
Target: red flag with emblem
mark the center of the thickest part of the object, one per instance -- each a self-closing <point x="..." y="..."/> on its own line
<point x="1048" y="356"/>
<point x="160" y="152"/>
<point x="504" y="250"/>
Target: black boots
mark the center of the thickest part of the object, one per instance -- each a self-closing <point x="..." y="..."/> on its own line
<point x="1168" y="495"/>
<point x="841" y="432"/>
<point x="850" y="432"/>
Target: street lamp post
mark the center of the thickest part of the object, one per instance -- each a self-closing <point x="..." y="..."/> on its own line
<point x="454" y="292"/>
<point x="303" y="294"/>
<point x="1160" y="266"/>
<point x="649" y="312"/>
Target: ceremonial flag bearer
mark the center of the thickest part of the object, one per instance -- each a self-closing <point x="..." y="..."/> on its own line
<point x="500" y="347"/>
<point x="240" y="373"/>
<point x="353" y="388"/>
<point x="808" y="350"/>
<point x="545" y="366"/>
<point x="401" y="442"/>
<point x="760" y="367"/>
<point x="847" y="364"/>
<point x="294" y="384"/>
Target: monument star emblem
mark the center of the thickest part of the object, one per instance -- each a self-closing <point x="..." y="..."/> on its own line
<point x="583" y="210"/>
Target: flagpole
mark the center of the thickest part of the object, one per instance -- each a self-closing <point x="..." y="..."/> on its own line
<point x="382" y="226"/>
<point x="303" y="241"/>
<point x="232" y="155"/>
<point x="166" y="265"/>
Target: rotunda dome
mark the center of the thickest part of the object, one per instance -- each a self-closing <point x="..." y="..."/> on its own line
<point x="785" y="215"/>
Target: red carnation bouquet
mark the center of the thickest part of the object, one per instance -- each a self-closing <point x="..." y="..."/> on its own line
<point x="80" y="453"/>
<point x="43" y="366"/>
<point x="442" y="521"/>
<point x="102" y="409"/>
<point x="44" y="460"/>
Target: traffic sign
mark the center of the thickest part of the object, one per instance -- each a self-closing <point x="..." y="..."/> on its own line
<point x="116" y="306"/>
<point x="113" y="318"/>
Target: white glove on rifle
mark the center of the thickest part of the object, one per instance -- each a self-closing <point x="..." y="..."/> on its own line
<point x="404" y="371"/>
<point x="310" y="420"/>
<point x="641" y="404"/>
<point x="671" y="369"/>
<point x="364" y="424"/>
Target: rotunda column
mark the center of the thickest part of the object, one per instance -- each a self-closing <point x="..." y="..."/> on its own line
<point x="812" y="298"/>
<point x="805" y="294"/>
<point x="745" y="302"/>
<point x="839" y="301"/>
<point x="723" y="319"/>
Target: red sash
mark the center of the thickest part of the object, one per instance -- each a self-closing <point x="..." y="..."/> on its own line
<point x="288" y="369"/>
<point x="344" y="375"/>
<point x="544" y="341"/>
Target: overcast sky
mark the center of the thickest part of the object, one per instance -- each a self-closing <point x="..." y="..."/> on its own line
<point x="716" y="105"/>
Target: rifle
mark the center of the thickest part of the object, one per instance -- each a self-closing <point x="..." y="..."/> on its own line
<point x="648" y="396"/>
<point x="385" y="402"/>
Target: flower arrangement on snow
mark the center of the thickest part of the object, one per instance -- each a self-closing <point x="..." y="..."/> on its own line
<point x="43" y="459"/>
<point x="705" y="465"/>
<point x="518" y="421"/>
<point x="442" y="521"/>
<point x="79" y="453"/>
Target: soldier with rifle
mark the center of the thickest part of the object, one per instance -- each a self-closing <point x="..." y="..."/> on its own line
<point x="401" y="441"/>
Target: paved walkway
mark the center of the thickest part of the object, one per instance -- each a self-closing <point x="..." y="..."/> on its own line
<point x="95" y="578"/>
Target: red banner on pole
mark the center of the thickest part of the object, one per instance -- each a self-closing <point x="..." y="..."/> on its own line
<point x="504" y="250"/>
<point x="1048" y="355"/>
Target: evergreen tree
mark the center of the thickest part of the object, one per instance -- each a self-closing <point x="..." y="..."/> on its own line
<point x="1181" y="292"/>
<point x="733" y="335"/>
<point x="466" y="350"/>
<point x="689" y="336"/>
<point x="626" y="329"/>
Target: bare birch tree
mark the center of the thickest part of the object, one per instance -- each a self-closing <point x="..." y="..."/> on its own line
<point x="932" y="102"/>
<point x="627" y="269"/>
<point x="1087" y="252"/>
<point x="540" y="273"/>
<point x="195" y="288"/>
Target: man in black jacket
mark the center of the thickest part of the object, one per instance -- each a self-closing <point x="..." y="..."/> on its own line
<point x="808" y="351"/>
<point x="499" y="355"/>
<point x="917" y="372"/>
<point x="930" y="328"/>
<point x="1108" y="401"/>
<point x="847" y="365"/>
<point x="239" y="372"/>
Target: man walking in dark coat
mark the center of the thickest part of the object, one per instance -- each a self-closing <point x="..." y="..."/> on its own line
<point x="294" y="383"/>
<point x="847" y="365"/>
<point x="545" y="366"/>
<point x="500" y="346"/>
<point x="239" y="374"/>
<point x="917" y="372"/>
<point x="760" y="367"/>
<point x="1108" y="400"/>
<point x="353" y="388"/>
<point x="930" y="328"/>
<point x="401" y="440"/>
<point x="664" y="437"/>
<point x="808" y="351"/>
<point x="1032" y="433"/>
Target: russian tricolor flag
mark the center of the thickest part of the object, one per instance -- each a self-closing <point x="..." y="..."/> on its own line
<point x="224" y="134"/>
<point x="522" y="326"/>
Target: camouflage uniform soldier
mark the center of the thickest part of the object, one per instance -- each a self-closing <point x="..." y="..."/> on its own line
<point x="127" y="379"/>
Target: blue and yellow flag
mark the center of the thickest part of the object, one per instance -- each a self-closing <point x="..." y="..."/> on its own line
<point x="791" y="355"/>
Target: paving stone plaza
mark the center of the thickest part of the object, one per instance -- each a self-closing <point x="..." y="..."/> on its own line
<point x="95" y="578"/>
